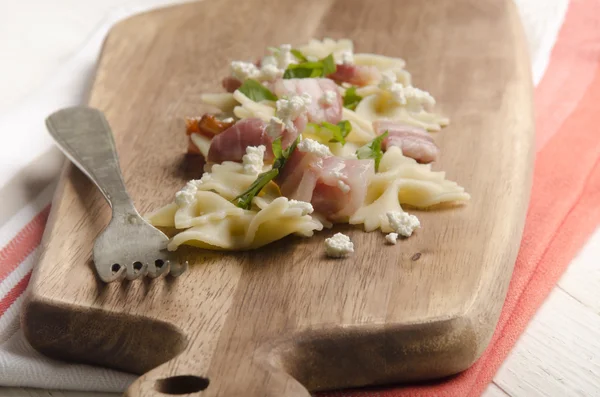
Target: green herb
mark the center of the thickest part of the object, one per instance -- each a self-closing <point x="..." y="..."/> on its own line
<point x="351" y="99"/>
<point x="305" y="69"/>
<point x="244" y="200"/>
<point x="372" y="150"/>
<point x="256" y="91"/>
<point x="328" y="65"/>
<point x="333" y="132"/>
<point x="299" y="55"/>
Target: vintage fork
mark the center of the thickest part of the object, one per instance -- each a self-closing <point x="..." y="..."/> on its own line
<point x="129" y="246"/>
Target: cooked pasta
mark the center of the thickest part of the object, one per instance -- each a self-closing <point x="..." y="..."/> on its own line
<point x="338" y="136"/>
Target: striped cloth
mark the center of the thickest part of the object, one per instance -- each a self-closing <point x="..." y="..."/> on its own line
<point x="562" y="214"/>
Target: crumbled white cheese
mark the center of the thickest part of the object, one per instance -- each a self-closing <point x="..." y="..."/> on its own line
<point x="253" y="160"/>
<point x="228" y="120"/>
<point x="391" y="238"/>
<point x="270" y="72"/>
<point x="306" y="208"/>
<point x="418" y="95"/>
<point x="312" y="146"/>
<point x="329" y="98"/>
<point x="388" y="79"/>
<point x="289" y="109"/>
<point x="403" y="223"/>
<point x="338" y="246"/>
<point x="244" y="70"/>
<point x="402" y="94"/>
<point x="187" y="195"/>
<point x="275" y="127"/>
<point x="283" y="56"/>
<point x="271" y="68"/>
<point x="344" y="187"/>
<point x="347" y="57"/>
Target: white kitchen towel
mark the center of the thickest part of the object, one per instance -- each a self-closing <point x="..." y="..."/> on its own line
<point x="28" y="163"/>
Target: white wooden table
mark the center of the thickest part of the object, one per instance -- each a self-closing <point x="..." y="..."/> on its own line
<point x="558" y="355"/>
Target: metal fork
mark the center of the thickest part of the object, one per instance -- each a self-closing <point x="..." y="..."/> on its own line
<point x="129" y="246"/>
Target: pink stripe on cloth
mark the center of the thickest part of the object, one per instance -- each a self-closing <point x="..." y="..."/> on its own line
<point x="571" y="69"/>
<point x="14" y="293"/>
<point x="23" y="243"/>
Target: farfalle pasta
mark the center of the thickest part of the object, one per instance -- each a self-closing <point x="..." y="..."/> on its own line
<point x="305" y="138"/>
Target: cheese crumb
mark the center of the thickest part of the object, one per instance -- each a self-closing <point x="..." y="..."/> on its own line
<point x="244" y="70"/>
<point x="403" y="94"/>
<point x="187" y="195"/>
<point x="289" y="109"/>
<point x="253" y="160"/>
<point x="338" y="246"/>
<point x="271" y="68"/>
<point x="275" y="127"/>
<point x="328" y="98"/>
<point x="403" y="223"/>
<point x="344" y="187"/>
<point x="283" y="56"/>
<point x="306" y="208"/>
<point x="347" y="57"/>
<point x="391" y="238"/>
<point x="270" y="72"/>
<point x="312" y="146"/>
<point x="228" y="120"/>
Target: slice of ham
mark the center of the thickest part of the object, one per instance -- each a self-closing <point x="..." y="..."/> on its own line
<point x="334" y="201"/>
<point x="298" y="178"/>
<point x="231" y="83"/>
<point x="309" y="178"/>
<point x="415" y="142"/>
<point x="360" y="75"/>
<point x="231" y="144"/>
<point x="318" y="111"/>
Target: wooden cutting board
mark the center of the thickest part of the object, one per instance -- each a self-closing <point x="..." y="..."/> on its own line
<point x="283" y="320"/>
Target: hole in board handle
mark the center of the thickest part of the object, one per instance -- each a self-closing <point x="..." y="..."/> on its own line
<point x="183" y="384"/>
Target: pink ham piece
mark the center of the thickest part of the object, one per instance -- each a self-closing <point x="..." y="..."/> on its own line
<point x="297" y="180"/>
<point x="231" y="144"/>
<point x="334" y="201"/>
<point x="360" y="75"/>
<point x="318" y="111"/>
<point x="309" y="178"/>
<point x="415" y="142"/>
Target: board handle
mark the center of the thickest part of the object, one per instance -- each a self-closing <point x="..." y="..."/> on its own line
<point x="258" y="377"/>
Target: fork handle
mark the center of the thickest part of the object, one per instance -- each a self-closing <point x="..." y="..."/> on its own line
<point x="84" y="136"/>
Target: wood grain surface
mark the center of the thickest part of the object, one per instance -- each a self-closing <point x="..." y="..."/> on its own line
<point x="284" y="320"/>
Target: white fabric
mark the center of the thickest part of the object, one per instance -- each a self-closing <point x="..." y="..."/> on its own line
<point x="24" y="139"/>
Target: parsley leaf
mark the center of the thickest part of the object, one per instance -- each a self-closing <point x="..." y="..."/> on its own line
<point x="256" y="91"/>
<point x="244" y="200"/>
<point x="299" y="55"/>
<point x="320" y="68"/>
<point x="332" y="132"/>
<point x="372" y="150"/>
<point x="328" y="65"/>
<point x="276" y="146"/>
<point x="351" y="99"/>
